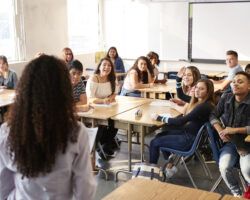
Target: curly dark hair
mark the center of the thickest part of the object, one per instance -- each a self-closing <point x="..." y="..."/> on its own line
<point x="42" y="118"/>
<point x="111" y="76"/>
<point x="143" y="76"/>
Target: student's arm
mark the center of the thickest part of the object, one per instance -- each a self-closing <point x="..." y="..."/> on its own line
<point x="84" y="184"/>
<point x="135" y="82"/>
<point x="223" y="85"/>
<point x="214" y="118"/>
<point x="7" y="184"/>
<point x="151" y="78"/>
<point x="180" y="92"/>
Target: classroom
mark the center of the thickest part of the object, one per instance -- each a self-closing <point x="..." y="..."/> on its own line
<point x="124" y="99"/>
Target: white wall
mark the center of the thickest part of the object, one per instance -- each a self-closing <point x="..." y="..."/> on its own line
<point x="46" y="31"/>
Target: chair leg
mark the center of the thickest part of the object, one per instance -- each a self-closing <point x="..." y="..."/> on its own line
<point x="121" y="171"/>
<point x="101" y="149"/>
<point x="216" y="184"/>
<point x="189" y="174"/>
<point x="243" y="182"/>
<point x="204" y="165"/>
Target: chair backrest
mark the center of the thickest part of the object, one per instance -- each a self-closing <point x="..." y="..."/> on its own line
<point x="193" y="148"/>
<point x="214" y="142"/>
<point x="172" y="74"/>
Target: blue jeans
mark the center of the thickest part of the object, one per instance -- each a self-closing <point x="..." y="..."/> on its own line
<point x="135" y="93"/>
<point x="229" y="159"/>
<point x="175" y="139"/>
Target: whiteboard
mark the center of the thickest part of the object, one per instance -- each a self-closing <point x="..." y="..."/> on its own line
<point x="137" y="27"/>
<point x="218" y="27"/>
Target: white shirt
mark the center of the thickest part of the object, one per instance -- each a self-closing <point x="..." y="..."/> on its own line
<point x="99" y="90"/>
<point x="70" y="176"/>
<point x="233" y="71"/>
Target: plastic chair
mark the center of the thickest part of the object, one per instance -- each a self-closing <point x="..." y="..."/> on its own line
<point x="216" y="144"/>
<point x="193" y="150"/>
<point x="172" y="75"/>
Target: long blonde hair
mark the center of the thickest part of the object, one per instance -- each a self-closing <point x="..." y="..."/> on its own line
<point x="210" y="95"/>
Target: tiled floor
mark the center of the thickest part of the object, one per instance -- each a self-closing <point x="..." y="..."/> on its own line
<point x="181" y="178"/>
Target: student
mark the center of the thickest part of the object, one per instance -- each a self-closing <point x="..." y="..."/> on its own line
<point x="231" y="121"/>
<point x="101" y="89"/>
<point x="139" y="76"/>
<point x="44" y="151"/>
<point x="186" y="79"/>
<point x="75" y="71"/>
<point x="182" y="131"/>
<point x="247" y="68"/>
<point x="67" y="55"/>
<point x="234" y="67"/>
<point x="153" y="57"/>
<point x="8" y="78"/>
<point x="116" y="60"/>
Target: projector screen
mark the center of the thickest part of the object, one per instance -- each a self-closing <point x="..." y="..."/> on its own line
<point x="218" y="27"/>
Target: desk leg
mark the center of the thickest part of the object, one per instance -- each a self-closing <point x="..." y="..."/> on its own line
<point x="142" y="142"/>
<point x="129" y="146"/>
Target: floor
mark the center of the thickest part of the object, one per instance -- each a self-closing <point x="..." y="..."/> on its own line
<point x="181" y="178"/>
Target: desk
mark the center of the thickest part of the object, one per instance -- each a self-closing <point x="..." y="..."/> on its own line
<point x="158" y="89"/>
<point x="6" y="97"/>
<point x="247" y="139"/>
<point x="229" y="197"/>
<point x="102" y="114"/>
<point x="142" y="189"/>
<point x="127" y="121"/>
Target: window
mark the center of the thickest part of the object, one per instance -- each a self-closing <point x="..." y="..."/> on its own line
<point x="83" y="24"/>
<point x="10" y="37"/>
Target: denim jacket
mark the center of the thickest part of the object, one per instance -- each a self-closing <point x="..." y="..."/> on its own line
<point x="225" y="113"/>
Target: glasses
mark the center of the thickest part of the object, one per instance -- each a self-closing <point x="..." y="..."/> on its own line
<point x="68" y="54"/>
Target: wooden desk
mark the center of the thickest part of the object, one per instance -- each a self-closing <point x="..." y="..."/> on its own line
<point x="129" y="122"/>
<point x="158" y="89"/>
<point x="102" y="114"/>
<point x="247" y="139"/>
<point x="142" y="189"/>
<point x="6" y="97"/>
<point x="230" y="197"/>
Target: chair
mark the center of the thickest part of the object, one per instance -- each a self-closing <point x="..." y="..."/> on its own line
<point x="216" y="144"/>
<point x="193" y="150"/>
<point x="172" y="74"/>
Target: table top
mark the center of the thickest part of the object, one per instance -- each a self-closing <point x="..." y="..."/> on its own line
<point x="230" y="197"/>
<point x="144" y="189"/>
<point x="123" y="103"/>
<point x="6" y="97"/>
<point x="169" y="86"/>
<point x="155" y="106"/>
<point x="247" y="139"/>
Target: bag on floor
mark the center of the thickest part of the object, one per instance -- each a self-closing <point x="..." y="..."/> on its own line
<point x="147" y="171"/>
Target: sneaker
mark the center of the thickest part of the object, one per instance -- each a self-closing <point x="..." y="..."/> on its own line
<point x="246" y="194"/>
<point x="170" y="172"/>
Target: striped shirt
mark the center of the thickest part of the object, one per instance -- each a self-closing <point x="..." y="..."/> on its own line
<point x="78" y="90"/>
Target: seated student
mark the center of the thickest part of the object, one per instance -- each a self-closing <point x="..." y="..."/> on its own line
<point x="247" y="68"/>
<point x="116" y="60"/>
<point x="67" y="55"/>
<point x="79" y="93"/>
<point x="181" y="131"/>
<point x="186" y="80"/>
<point x="8" y="78"/>
<point x="101" y="89"/>
<point x="231" y="121"/>
<point x="234" y="67"/>
<point x="139" y="76"/>
<point x="44" y="151"/>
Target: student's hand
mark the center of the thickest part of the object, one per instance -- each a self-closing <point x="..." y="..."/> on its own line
<point x="154" y="116"/>
<point x="228" y="131"/>
<point x="107" y="100"/>
<point x="151" y="85"/>
<point x="84" y="108"/>
<point x="177" y="101"/>
<point x="3" y="87"/>
<point x="181" y="72"/>
<point x="223" y="136"/>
